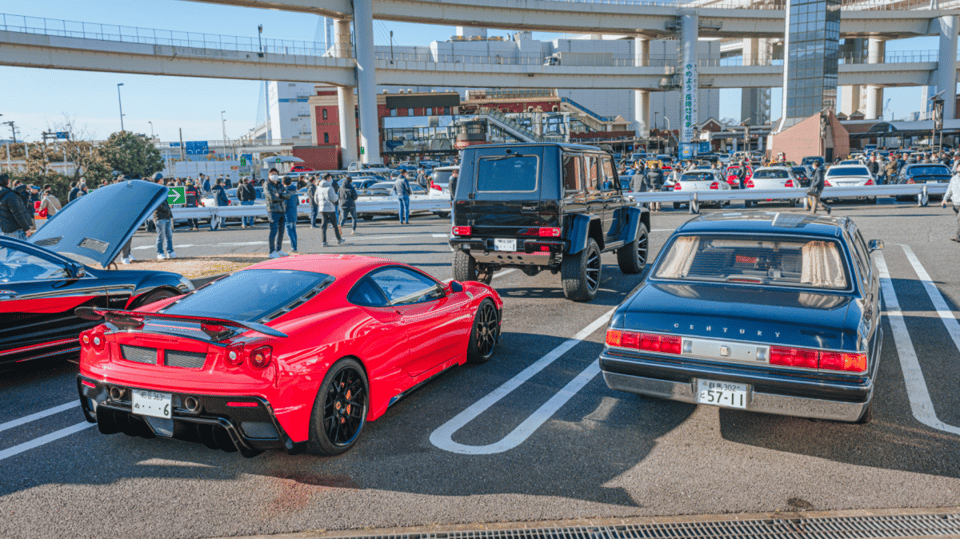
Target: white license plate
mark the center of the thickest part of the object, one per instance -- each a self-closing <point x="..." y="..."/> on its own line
<point x="504" y="245"/>
<point x="726" y="394"/>
<point x="152" y="403"/>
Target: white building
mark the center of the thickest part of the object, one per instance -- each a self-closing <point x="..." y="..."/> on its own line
<point x="287" y="113"/>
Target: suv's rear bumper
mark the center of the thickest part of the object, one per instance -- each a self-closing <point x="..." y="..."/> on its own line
<point x="529" y="252"/>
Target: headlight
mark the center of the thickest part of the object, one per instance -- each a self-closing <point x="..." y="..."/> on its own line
<point x="185" y="285"/>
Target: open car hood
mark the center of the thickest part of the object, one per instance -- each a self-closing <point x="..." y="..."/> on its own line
<point x="96" y="226"/>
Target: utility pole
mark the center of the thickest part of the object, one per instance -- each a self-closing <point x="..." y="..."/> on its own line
<point x="182" y="149"/>
<point x="223" y="125"/>
<point x="120" y="101"/>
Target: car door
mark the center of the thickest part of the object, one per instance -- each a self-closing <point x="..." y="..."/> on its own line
<point x="426" y="317"/>
<point x="384" y="340"/>
<point x="614" y="214"/>
<point x="868" y="282"/>
<point x="594" y="196"/>
<point x="574" y="195"/>
<point x="38" y="296"/>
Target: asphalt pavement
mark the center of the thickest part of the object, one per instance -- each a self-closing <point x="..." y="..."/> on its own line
<point x="585" y="451"/>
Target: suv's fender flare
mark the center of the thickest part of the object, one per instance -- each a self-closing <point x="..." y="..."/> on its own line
<point x="635" y="216"/>
<point x="580" y="232"/>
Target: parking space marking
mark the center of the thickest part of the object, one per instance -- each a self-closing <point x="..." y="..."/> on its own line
<point x="920" y="403"/>
<point x="940" y="304"/>
<point x="39" y="415"/>
<point x="443" y="436"/>
<point x="43" y="440"/>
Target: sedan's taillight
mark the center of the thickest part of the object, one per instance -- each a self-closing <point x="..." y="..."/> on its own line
<point x="869" y="182"/>
<point x="817" y="359"/>
<point x="650" y="342"/>
<point x="715" y="185"/>
<point x="789" y="183"/>
<point x="676" y="186"/>
<point x="749" y="184"/>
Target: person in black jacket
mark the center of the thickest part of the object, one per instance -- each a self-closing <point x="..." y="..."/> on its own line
<point x="276" y="198"/>
<point x="312" y="195"/>
<point x="348" y="203"/>
<point x="163" y="220"/>
<point x="247" y="195"/>
<point x="817" y="182"/>
<point x="13" y="216"/>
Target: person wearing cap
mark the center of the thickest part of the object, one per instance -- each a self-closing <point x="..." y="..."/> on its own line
<point x="276" y="198"/>
<point x="192" y="195"/>
<point x="163" y="219"/>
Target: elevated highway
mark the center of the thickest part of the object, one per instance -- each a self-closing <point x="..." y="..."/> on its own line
<point x="86" y="53"/>
<point x="894" y="20"/>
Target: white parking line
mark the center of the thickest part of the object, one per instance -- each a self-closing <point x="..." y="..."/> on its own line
<point x="443" y="436"/>
<point x="943" y="310"/>
<point x="43" y="440"/>
<point x="920" y="403"/>
<point x="39" y="415"/>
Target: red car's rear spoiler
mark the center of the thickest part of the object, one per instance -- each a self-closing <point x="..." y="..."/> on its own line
<point x="126" y="319"/>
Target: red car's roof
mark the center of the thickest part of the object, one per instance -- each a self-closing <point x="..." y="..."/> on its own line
<point x="335" y="265"/>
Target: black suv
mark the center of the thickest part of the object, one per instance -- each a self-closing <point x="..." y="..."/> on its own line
<point x="544" y="206"/>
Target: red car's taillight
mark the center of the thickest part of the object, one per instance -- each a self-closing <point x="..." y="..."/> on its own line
<point x="464" y="231"/>
<point x="234" y="355"/>
<point x="261" y="357"/>
<point x="94" y="339"/>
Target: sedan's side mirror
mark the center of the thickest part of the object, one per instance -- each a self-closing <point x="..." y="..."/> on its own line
<point x="875" y="245"/>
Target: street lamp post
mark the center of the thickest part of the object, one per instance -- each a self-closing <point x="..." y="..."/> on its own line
<point x="260" y="39"/>
<point x="152" y="136"/>
<point x="120" y="101"/>
<point x="223" y="124"/>
<point x="391" y="46"/>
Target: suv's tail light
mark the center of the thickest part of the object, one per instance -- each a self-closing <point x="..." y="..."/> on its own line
<point x="549" y="232"/>
<point x="464" y="231"/>
<point x="261" y="357"/>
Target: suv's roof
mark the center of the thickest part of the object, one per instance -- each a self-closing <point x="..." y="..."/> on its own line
<point x="540" y="144"/>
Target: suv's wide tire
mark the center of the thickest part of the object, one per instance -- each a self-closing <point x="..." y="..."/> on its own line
<point x="580" y="273"/>
<point x="464" y="267"/>
<point x="632" y="257"/>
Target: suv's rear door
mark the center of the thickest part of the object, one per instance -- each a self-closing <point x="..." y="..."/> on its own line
<point x="503" y="190"/>
<point x="613" y="214"/>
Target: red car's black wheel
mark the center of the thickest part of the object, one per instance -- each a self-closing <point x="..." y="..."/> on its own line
<point x="340" y="410"/>
<point x="485" y="333"/>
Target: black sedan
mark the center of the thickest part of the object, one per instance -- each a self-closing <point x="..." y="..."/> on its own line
<point x="768" y="312"/>
<point x="923" y="173"/>
<point x="64" y="266"/>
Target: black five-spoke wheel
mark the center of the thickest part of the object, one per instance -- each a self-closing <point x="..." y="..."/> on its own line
<point x="485" y="333"/>
<point x="340" y="410"/>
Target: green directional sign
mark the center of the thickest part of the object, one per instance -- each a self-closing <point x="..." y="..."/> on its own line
<point x="177" y="195"/>
<point x="243" y="161"/>
<point x="361" y="150"/>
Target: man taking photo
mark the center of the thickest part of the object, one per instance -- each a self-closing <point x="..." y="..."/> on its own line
<point x="276" y="197"/>
<point x="13" y="215"/>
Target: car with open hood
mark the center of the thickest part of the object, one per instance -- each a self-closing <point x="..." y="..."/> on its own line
<point x="293" y="353"/>
<point x="767" y="312"/>
<point x="65" y="265"/>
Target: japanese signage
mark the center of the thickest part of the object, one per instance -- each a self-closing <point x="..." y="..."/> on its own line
<point x="688" y="78"/>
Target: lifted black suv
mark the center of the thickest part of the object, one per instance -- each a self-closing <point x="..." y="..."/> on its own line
<point x="544" y="206"/>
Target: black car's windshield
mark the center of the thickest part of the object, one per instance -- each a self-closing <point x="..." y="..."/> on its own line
<point x="779" y="262"/>
<point x="248" y="295"/>
<point x="928" y="171"/>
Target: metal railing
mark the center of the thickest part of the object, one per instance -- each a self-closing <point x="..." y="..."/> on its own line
<point x="153" y="36"/>
<point x="431" y="58"/>
<point x="587" y="111"/>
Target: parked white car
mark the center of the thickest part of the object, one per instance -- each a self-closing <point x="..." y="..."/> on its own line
<point x="772" y="178"/>
<point x="701" y="179"/>
<point x="850" y="176"/>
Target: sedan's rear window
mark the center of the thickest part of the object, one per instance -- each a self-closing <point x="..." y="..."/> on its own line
<point x="249" y="295"/>
<point x="507" y="173"/>
<point x="766" y="174"/>
<point x="929" y="171"/>
<point x="848" y="171"/>
<point x="698" y="177"/>
<point x="777" y="262"/>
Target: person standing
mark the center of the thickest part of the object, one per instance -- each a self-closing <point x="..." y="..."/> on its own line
<point x="13" y="221"/>
<point x="192" y="195"/>
<point x="817" y="182"/>
<point x="204" y="183"/>
<point x="49" y="202"/>
<point x="953" y="194"/>
<point x="163" y="219"/>
<point x="348" y="203"/>
<point x="402" y="189"/>
<point x="247" y="195"/>
<point x="655" y="183"/>
<point x="422" y="177"/>
<point x="741" y="174"/>
<point x="74" y="192"/>
<point x="275" y="196"/>
<point x="312" y="195"/>
<point x="327" y="200"/>
<point x="290" y="215"/>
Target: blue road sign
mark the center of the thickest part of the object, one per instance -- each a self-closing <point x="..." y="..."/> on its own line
<point x="174" y="144"/>
<point x="63" y="134"/>
<point x="197" y="147"/>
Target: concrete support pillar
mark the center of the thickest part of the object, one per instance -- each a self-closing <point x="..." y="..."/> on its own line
<point x="874" y="105"/>
<point x="755" y="102"/>
<point x="689" y="79"/>
<point x="853" y="98"/>
<point x="346" y="101"/>
<point x="641" y="98"/>
<point x="366" y="81"/>
<point x="947" y="65"/>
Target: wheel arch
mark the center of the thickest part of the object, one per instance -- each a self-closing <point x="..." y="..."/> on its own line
<point x="583" y="228"/>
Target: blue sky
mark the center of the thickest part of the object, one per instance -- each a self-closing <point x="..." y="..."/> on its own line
<point x="37" y="99"/>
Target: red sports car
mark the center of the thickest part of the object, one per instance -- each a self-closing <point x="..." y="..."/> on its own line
<point x="294" y="353"/>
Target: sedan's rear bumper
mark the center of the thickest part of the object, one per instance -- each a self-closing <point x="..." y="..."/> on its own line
<point x="773" y="394"/>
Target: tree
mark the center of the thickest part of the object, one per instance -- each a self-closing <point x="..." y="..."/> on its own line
<point x="78" y="148"/>
<point x="131" y="155"/>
